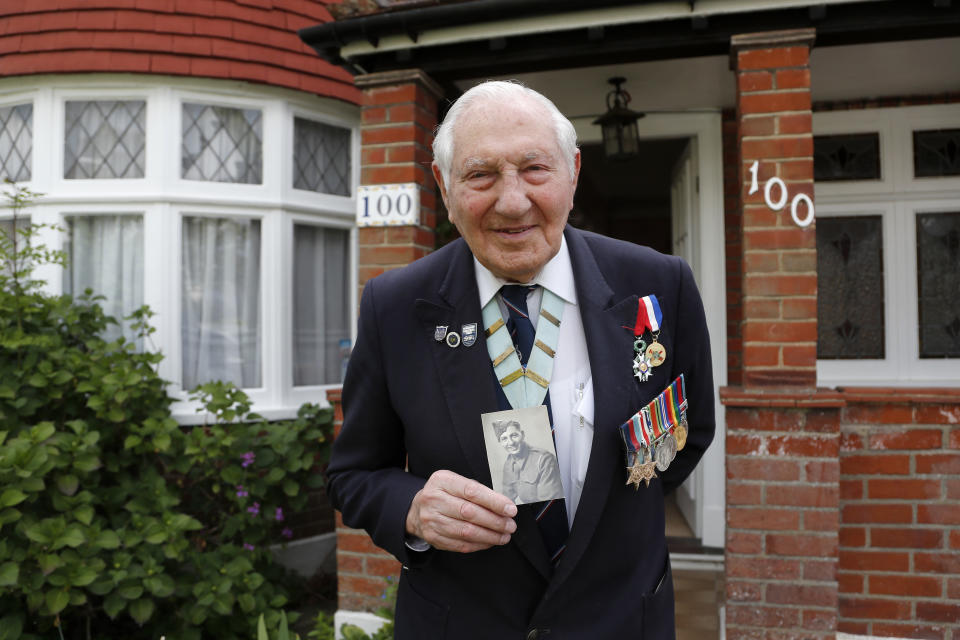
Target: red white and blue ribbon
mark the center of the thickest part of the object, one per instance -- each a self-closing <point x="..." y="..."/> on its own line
<point x="649" y="315"/>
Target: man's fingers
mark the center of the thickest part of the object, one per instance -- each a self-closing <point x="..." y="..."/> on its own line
<point x="458" y="514"/>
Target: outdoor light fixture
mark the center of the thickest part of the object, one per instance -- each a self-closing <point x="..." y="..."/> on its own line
<point x="619" y="124"/>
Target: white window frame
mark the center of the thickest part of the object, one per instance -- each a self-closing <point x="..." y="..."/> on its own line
<point x="163" y="198"/>
<point x="897" y="197"/>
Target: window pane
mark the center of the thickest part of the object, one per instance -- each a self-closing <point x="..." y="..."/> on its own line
<point x="846" y="157"/>
<point x="321" y="157"/>
<point x="221" y="144"/>
<point x="936" y="153"/>
<point x="105" y="253"/>
<point x="104" y="139"/>
<point x="850" y="320"/>
<point x="220" y="315"/>
<point x="938" y="284"/>
<point x="321" y="335"/>
<point x="16" y="142"/>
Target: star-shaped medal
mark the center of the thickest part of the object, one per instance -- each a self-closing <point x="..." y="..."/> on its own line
<point x="645" y="471"/>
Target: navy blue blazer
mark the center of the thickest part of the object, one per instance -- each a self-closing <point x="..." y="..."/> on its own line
<point x="412" y="406"/>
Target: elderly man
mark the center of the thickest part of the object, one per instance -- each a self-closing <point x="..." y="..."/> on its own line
<point x="451" y="337"/>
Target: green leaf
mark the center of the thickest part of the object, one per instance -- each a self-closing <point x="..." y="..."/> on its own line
<point x="113" y="605"/>
<point x="57" y="600"/>
<point x="84" y="514"/>
<point x="9" y="573"/>
<point x="49" y="562"/>
<point x="276" y="475"/>
<point x="130" y="591"/>
<point x="11" y="497"/>
<point x="160" y="586"/>
<point x="71" y="537"/>
<point x="290" y="487"/>
<point x="37" y="380"/>
<point x="36" y="534"/>
<point x="131" y="441"/>
<point x="11" y="627"/>
<point x="262" y="629"/>
<point x="155" y="533"/>
<point x="107" y="540"/>
<point x="247" y="602"/>
<point x="83" y="577"/>
<point x="68" y="484"/>
<point x="42" y="431"/>
<point x="86" y="463"/>
<point x="141" y="610"/>
<point x="161" y="441"/>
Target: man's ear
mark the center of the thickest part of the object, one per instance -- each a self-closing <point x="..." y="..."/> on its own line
<point x="576" y="168"/>
<point x="438" y="176"/>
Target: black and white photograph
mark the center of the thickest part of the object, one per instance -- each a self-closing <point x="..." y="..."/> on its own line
<point x="521" y="455"/>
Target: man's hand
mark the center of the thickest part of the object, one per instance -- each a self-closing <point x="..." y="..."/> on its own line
<point x="458" y="514"/>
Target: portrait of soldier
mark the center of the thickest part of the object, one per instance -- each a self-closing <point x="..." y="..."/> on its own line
<point x="530" y="474"/>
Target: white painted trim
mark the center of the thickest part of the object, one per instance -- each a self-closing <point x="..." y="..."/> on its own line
<point x="611" y="16"/>
<point x="706" y="129"/>
<point x="697" y="562"/>
<point x="850" y="636"/>
<point x="369" y="622"/>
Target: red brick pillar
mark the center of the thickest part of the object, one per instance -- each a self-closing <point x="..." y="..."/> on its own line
<point x="399" y="115"/>
<point x="782" y="447"/>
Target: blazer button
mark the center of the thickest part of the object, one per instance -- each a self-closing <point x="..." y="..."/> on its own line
<point x="537" y="634"/>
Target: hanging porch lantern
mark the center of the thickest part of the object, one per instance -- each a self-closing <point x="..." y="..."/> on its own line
<point x="619" y="124"/>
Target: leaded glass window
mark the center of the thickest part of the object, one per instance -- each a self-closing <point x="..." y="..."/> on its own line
<point x="321" y="157"/>
<point x="850" y="321"/>
<point x="938" y="284"/>
<point x="104" y="139"/>
<point x="936" y="153"/>
<point x="846" y="157"/>
<point x="222" y="144"/>
<point x="16" y="142"/>
<point x="321" y="306"/>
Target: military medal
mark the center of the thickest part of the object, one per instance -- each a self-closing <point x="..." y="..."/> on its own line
<point x="656" y="433"/>
<point x="649" y="317"/>
<point x="656" y="353"/>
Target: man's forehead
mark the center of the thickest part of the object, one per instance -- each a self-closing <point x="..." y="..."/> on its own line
<point x="477" y="161"/>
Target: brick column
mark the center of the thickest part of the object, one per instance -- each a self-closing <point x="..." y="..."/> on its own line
<point x="782" y="447"/>
<point x="779" y="327"/>
<point x="399" y="116"/>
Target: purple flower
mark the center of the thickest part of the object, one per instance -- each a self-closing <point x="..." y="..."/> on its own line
<point x="248" y="459"/>
<point x="279" y="515"/>
<point x="241" y="492"/>
<point x="255" y="509"/>
<point x="287" y="532"/>
<point x="248" y="547"/>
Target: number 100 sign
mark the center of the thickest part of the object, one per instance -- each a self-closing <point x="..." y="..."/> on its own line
<point x="778" y="185"/>
<point x="388" y="204"/>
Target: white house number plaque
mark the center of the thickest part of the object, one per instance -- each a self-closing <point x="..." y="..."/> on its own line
<point x="388" y="204"/>
<point x="779" y="186"/>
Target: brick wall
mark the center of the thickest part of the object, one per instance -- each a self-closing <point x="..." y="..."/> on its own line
<point x="251" y="40"/>
<point x="899" y="570"/>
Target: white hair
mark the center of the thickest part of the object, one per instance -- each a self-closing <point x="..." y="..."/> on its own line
<point x="504" y="92"/>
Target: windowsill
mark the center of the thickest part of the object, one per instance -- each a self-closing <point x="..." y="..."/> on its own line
<point x="186" y="414"/>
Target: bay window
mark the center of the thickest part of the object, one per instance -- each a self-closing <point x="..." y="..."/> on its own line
<point x="229" y="211"/>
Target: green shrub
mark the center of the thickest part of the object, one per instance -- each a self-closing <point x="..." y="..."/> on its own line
<point x="115" y="522"/>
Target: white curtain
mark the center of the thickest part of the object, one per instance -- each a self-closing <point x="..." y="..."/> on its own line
<point x="220" y="316"/>
<point x="321" y="336"/>
<point x="105" y="253"/>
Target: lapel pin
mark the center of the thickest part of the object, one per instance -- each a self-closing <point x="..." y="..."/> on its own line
<point x="469" y="332"/>
<point x="440" y="333"/>
<point x="453" y="339"/>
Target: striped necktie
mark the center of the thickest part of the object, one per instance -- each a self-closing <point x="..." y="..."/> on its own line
<point x="551" y="515"/>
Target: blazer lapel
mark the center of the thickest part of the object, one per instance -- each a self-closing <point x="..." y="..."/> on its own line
<point x="467" y="384"/>
<point x="610" y="349"/>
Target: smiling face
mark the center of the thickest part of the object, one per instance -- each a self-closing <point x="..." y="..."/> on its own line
<point x="510" y="189"/>
<point x="512" y="439"/>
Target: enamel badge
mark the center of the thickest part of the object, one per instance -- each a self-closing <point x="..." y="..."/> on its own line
<point x="468" y="334"/>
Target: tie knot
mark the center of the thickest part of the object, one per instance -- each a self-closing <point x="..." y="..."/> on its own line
<point x="515" y="295"/>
